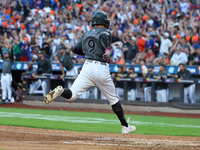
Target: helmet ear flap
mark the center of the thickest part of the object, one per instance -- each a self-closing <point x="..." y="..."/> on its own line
<point x="107" y="23"/>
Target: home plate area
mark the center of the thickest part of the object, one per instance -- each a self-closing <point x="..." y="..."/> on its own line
<point x="45" y="139"/>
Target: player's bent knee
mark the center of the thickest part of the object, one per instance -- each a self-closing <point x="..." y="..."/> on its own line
<point x="67" y="93"/>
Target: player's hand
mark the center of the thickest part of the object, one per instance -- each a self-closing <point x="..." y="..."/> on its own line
<point x="176" y="76"/>
<point x="107" y="54"/>
<point x="33" y="74"/>
<point x="158" y="78"/>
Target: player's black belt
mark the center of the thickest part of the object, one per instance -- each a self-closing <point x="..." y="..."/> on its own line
<point x="95" y="61"/>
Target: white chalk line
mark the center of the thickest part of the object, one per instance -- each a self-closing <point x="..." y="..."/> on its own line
<point x="88" y="120"/>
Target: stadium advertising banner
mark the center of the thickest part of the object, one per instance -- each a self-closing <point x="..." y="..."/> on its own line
<point x="195" y="70"/>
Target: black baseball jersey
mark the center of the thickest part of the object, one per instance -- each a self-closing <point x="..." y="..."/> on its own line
<point x="93" y="43"/>
<point x="149" y="75"/>
<point x="185" y="75"/>
<point x="44" y="66"/>
<point x="7" y="64"/>
<point x="66" y="61"/>
<point x="161" y="86"/>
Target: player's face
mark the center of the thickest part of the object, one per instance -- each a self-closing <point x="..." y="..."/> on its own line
<point x="119" y="69"/>
<point x="162" y="68"/>
<point x="7" y="55"/>
<point x="150" y="70"/>
<point x="182" y="68"/>
<point x="131" y="71"/>
<point x="62" y="51"/>
<point x="30" y="65"/>
<point x="40" y="55"/>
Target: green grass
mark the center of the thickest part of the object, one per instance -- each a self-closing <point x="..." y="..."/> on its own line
<point x="98" y="122"/>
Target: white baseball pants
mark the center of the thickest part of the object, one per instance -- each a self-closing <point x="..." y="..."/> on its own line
<point x="147" y="94"/>
<point x="162" y="95"/>
<point x="131" y="94"/>
<point x="44" y="87"/>
<point x="34" y="86"/>
<point x="95" y="74"/>
<point x="6" y="80"/>
<point x="189" y="90"/>
<point x="72" y="72"/>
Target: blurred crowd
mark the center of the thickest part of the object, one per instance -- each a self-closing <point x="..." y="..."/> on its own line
<point x="143" y="31"/>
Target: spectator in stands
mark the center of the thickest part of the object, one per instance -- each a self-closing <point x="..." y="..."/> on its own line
<point x="56" y="59"/>
<point x="34" y="58"/>
<point x="183" y="6"/>
<point x="56" y="42"/>
<point x="116" y="50"/>
<point x="25" y="50"/>
<point x="17" y="48"/>
<point x="128" y="19"/>
<point x="150" y="57"/>
<point x="179" y="57"/>
<point x="140" y="42"/>
<point x="195" y="43"/>
<point x="184" y="43"/>
<point x="188" y="88"/>
<point x="133" y="51"/>
<point x="156" y="45"/>
<point x="46" y="46"/>
<point x="119" y="59"/>
<point x="165" y="44"/>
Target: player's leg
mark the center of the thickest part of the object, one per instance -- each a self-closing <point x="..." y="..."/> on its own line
<point x="164" y="95"/>
<point x="158" y="96"/>
<point x="132" y="95"/>
<point x="34" y="86"/>
<point x="44" y="87"/>
<point x="3" y="87"/>
<point x="185" y="95"/>
<point x="108" y="89"/>
<point x="120" y="93"/>
<point x="9" y="88"/>
<point x="147" y="94"/>
<point x="73" y="72"/>
<point x="191" y="93"/>
<point x="80" y="85"/>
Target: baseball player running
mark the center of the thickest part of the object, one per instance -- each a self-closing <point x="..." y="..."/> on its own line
<point x="95" y="46"/>
<point x="6" y="77"/>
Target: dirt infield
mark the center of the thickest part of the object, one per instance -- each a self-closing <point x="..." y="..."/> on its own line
<point x="15" y="138"/>
<point x="45" y="139"/>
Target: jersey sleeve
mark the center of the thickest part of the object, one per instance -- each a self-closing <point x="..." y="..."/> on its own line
<point x="105" y="39"/>
<point x="78" y="48"/>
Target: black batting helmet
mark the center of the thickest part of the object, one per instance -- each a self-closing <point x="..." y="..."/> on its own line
<point x="100" y="18"/>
